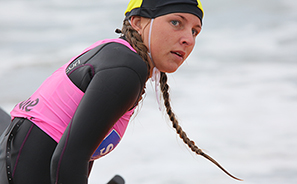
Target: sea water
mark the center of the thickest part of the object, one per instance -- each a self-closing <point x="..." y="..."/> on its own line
<point x="235" y="96"/>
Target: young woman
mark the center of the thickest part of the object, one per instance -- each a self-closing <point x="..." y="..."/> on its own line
<point x="81" y="111"/>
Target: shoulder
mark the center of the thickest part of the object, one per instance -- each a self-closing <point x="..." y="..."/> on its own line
<point x="117" y="55"/>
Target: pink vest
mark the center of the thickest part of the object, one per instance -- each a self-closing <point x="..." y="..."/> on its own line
<point x="54" y="103"/>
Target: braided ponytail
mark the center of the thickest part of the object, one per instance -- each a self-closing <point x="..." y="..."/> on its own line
<point x="136" y="41"/>
<point x="191" y="144"/>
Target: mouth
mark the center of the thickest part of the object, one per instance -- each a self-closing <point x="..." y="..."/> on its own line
<point x="180" y="54"/>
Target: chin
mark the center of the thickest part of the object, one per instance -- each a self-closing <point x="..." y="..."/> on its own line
<point x="169" y="70"/>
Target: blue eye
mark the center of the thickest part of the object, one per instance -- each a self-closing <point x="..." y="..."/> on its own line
<point x="195" y="32"/>
<point x="175" y="22"/>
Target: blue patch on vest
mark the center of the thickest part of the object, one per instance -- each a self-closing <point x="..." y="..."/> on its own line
<point x="107" y="145"/>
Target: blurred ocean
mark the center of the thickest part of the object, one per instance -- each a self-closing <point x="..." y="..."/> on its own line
<point x="236" y="96"/>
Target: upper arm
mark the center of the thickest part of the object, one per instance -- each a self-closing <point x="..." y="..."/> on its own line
<point x="114" y="89"/>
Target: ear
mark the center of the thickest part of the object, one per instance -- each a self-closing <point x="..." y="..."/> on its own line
<point x="135" y="22"/>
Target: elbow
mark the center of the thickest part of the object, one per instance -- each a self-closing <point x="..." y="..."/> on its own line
<point x="54" y="167"/>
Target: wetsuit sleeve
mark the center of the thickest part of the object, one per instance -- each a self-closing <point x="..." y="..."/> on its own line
<point x="113" y="90"/>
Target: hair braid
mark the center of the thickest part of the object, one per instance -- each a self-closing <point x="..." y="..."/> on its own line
<point x="191" y="144"/>
<point x="136" y="41"/>
<point x="134" y="38"/>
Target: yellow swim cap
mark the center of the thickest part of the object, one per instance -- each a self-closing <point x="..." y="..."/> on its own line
<point x="155" y="8"/>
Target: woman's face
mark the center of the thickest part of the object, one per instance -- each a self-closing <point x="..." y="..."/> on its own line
<point x="172" y="39"/>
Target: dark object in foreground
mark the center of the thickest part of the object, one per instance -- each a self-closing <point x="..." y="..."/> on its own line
<point x="117" y="179"/>
<point x="4" y="120"/>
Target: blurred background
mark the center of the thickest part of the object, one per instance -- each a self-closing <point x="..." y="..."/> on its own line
<point x="236" y="96"/>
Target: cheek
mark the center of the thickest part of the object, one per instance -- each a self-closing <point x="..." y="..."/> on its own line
<point x="190" y="50"/>
<point x="159" y="42"/>
<point x="161" y="34"/>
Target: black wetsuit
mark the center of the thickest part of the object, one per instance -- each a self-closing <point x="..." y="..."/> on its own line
<point x="112" y="78"/>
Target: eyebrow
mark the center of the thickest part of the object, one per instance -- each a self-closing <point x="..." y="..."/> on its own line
<point x="198" y="25"/>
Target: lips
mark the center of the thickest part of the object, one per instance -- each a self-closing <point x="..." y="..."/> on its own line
<point x="178" y="53"/>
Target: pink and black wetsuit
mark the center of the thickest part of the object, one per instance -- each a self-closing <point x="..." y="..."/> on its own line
<point x="53" y="105"/>
<point x="82" y="110"/>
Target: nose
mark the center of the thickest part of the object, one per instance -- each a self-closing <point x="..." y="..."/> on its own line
<point x="188" y="38"/>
